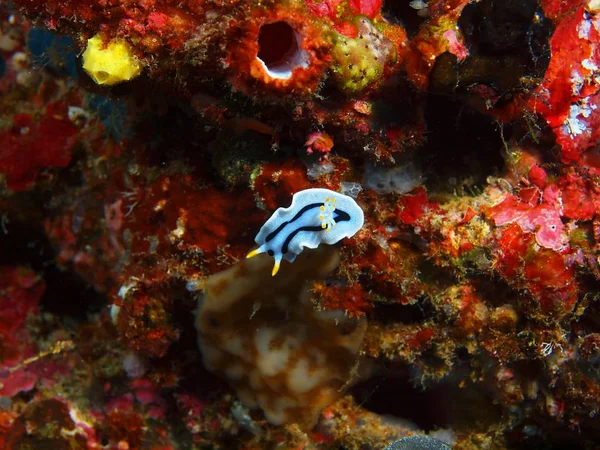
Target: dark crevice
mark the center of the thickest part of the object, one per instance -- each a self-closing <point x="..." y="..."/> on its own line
<point x="496" y="291"/>
<point x="462" y="145"/>
<point x="509" y="51"/>
<point x="589" y="320"/>
<point x="401" y="12"/>
<point x="67" y="294"/>
<point x="443" y="406"/>
<point x="390" y="313"/>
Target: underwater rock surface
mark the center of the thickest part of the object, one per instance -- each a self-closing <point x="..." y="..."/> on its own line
<point x="143" y="144"/>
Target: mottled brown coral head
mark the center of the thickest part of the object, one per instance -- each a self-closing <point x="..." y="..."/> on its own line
<point x="265" y="337"/>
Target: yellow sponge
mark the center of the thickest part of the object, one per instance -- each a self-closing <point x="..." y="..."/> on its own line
<point x="110" y="63"/>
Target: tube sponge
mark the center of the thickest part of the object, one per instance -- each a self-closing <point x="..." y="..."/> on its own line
<point x="110" y="63"/>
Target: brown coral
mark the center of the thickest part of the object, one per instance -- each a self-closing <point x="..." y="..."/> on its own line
<point x="264" y="336"/>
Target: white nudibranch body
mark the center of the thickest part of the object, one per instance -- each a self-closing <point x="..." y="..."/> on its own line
<point x="315" y="216"/>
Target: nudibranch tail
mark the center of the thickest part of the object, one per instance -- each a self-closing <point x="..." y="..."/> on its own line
<point x="262" y="249"/>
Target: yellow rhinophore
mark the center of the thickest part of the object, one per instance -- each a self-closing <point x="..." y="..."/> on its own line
<point x="110" y="63"/>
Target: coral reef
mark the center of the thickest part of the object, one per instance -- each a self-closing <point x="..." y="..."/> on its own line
<point x="143" y="144"/>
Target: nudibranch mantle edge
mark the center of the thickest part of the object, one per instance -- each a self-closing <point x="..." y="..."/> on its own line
<point x="315" y="216"/>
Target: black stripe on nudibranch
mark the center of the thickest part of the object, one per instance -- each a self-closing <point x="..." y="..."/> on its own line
<point x="292" y="235"/>
<point x="340" y="216"/>
<point x="296" y="217"/>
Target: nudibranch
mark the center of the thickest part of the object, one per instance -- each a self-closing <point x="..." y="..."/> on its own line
<point x="315" y="216"/>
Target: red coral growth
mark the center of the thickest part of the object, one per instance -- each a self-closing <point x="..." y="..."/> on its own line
<point x="369" y="8"/>
<point x="569" y="96"/>
<point x="81" y="245"/>
<point x="589" y="348"/>
<point x="30" y="146"/>
<point x="20" y="293"/>
<point x="278" y="182"/>
<point x="341" y="13"/>
<point x="544" y="220"/>
<point x="320" y="143"/>
<point x="175" y="213"/>
<point x="389" y="270"/>
<point x="546" y="274"/>
<point x="551" y="281"/>
<point x="432" y="41"/>
<point x="414" y="206"/>
<point x="125" y="428"/>
<point x="351" y="298"/>
<point x="557" y="9"/>
<point x="45" y="424"/>
<point x="211" y="223"/>
<point x="144" y="323"/>
<point x="158" y="21"/>
<point x="472" y="314"/>
<point x="580" y="196"/>
<point x="538" y="176"/>
<point x="152" y="23"/>
<point x="420" y="339"/>
<point x="512" y="245"/>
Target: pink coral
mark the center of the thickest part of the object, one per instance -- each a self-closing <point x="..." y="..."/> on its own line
<point x="320" y="143"/>
<point x="456" y="46"/>
<point x="31" y="146"/>
<point x="20" y="293"/>
<point x="544" y="220"/>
